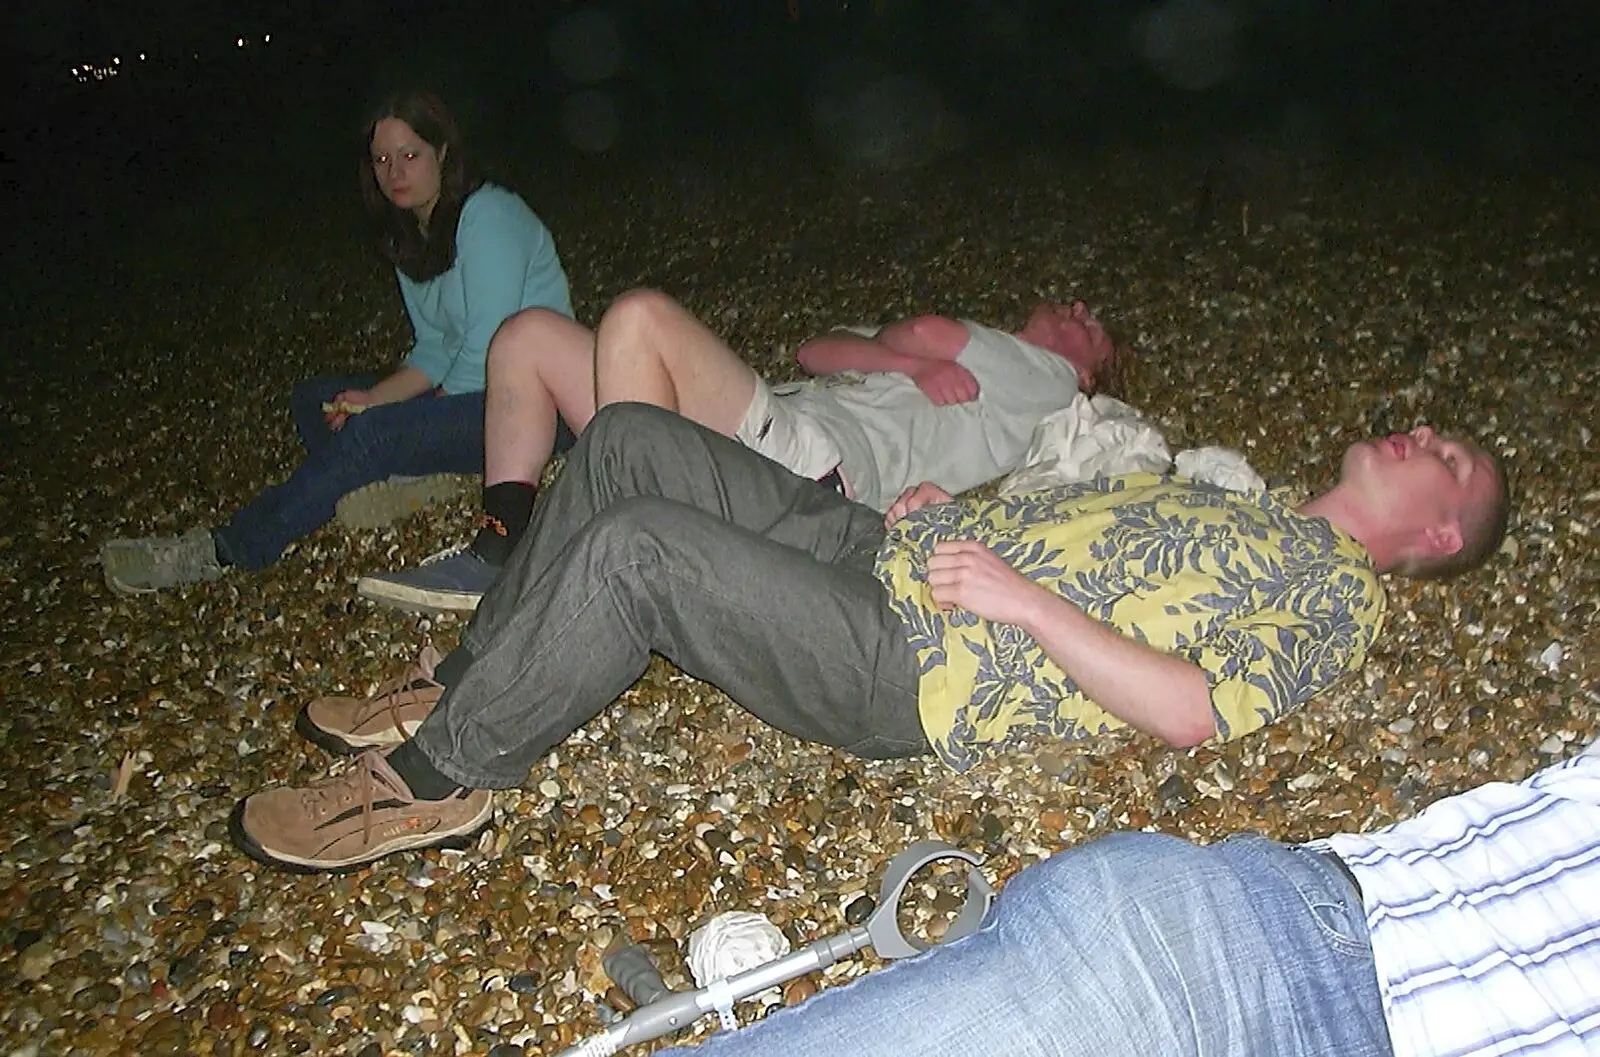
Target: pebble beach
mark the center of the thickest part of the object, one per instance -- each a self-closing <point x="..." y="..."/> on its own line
<point x="1287" y="310"/>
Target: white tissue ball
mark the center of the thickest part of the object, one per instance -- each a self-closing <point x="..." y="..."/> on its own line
<point x="731" y="943"/>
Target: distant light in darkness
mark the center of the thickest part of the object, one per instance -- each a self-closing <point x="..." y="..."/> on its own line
<point x="104" y="70"/>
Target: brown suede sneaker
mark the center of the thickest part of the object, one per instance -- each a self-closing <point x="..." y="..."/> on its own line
<point x="353" y="818"/>
<point x="392" y="714"/>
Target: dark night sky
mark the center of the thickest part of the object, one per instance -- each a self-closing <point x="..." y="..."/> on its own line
<point x="1513" y="82"/>
<point x="1550" y="39"/>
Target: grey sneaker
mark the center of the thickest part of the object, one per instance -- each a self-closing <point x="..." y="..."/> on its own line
<point x="353" y="818"/>
<point x="391" y="715"/>
<point x="452" y="581"/>
<point x="141" y="566"/>
<point x="397" y="498"/>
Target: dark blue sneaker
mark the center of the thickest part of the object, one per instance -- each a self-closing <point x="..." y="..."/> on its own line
<point x="452" y="581"/>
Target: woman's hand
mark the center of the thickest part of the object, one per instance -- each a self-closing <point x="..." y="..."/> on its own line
<point x="340" y="408"/>
<point x="915" y="498"/>
<point x="968" y="574"/>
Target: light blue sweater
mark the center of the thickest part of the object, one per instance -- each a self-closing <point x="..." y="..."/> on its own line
<point x="505" y="261"/>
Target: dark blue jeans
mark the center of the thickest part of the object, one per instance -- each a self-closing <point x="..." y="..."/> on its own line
<point x="424" y="435"/>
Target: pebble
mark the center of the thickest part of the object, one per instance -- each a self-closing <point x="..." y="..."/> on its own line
<point x="182" y="971"/>
<point x="221" y="927"/>
<point x="258" y="1034"/>
<point x="1174" y="790"/>
<point x="334" y="995"/>
<point x="35" y="961"/>
<point x="221" y="1016"/>
<point x="95" y="996"/>
<point x="165" y="1035"/>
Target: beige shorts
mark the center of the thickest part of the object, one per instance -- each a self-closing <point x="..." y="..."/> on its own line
<point x="785" y="434"/>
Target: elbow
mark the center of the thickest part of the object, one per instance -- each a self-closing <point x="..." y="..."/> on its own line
<point x="1190" y="727"/>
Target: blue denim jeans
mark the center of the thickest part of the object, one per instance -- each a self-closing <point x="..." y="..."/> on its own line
<point x="1134" y="945"/>
<point x="424" y="435"/>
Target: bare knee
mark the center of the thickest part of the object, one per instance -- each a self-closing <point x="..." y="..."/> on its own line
<point x="521" y="335"/>
<point x="642" y="307"/>
<point x="631" y="330"/>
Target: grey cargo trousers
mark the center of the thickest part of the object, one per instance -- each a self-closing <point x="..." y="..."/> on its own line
<point x="660" y="535"/>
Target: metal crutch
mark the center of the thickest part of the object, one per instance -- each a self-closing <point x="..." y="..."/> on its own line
<point x="674" y="1011"/>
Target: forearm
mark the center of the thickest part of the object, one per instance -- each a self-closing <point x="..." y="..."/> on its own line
<point x="403" y="384"/>
<point x="843" y="351"/>
<point x="902" y="347"/>
<point x="1155" y="692"/>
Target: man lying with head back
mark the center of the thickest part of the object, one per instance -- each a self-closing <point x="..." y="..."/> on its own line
<point x="956" y="627"/>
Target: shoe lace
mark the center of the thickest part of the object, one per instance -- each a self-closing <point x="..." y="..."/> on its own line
<point x="357" y="783"/>
<point x="395" y="694"/>
<point x="444" y="555"/>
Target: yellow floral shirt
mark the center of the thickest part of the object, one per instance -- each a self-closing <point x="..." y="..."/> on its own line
<point x="1272" y="604"/>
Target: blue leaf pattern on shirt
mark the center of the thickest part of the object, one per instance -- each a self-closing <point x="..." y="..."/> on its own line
<point x="1271" y="603"/>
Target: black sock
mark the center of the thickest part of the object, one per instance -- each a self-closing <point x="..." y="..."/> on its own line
<point x="507" y="509"/>
<point x="419" y="774"/>
<point x="452" y="666"/>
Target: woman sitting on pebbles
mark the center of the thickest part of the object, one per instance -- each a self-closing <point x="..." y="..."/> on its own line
<point x="468" y="254"/>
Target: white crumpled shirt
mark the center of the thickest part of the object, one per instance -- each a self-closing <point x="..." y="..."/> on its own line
<point x="1102" y="436"/>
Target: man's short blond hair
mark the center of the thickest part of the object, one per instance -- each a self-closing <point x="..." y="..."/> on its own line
<point x="1483" y="526"/>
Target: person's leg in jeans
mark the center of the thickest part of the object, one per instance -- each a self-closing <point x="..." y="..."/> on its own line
<point x="306" y="400"/>
<point x="1132" y="945"/>
<point x="423" y="435"/>
<point x="664" y="536"/>
<point x="381" y="502"/>
<point x="417" y="437"/>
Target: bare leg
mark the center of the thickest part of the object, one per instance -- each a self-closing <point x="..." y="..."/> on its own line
<point x="650" y="350"/>
<point x="540" y="362"/>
